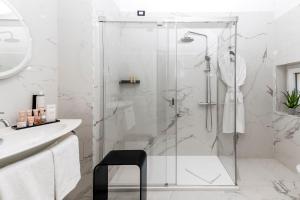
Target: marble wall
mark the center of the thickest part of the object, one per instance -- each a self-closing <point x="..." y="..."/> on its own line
<point x="132" y="114"/>
<point x="284" y="48"/>
<point x="41" y="72"/>
<point x="252" y="44"/>
<point x="139" y="116"/>
<point x="75" y="99"/>
<point x="105" y="8"/>
<point x="79" y="79"/>
<point x="196" y="131"/>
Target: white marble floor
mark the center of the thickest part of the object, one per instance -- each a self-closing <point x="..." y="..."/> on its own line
<point x="259" y="179"/>
<point x="191" y="171"/>
<point x="202" y="170"/>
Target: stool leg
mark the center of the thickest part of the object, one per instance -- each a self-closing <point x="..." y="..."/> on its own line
<point x="143" y="181"/>
<point x="100" y="188"/>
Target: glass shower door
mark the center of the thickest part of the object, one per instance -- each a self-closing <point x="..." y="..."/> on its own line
<point x="205" y="155"/>
<point x="139" y="104"/>
<point x="167" y="101"/>
<point x="227" y="135"/>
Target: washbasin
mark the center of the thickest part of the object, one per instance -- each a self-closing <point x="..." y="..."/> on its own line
<point x="13" y="142"/>
<point x="30" y="135"/>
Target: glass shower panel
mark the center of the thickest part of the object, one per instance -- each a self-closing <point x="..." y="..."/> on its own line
<point x="198" y="159"/>
<point x="138" y="111"/>
<point x="166" y="115"/>
<point x="226" y="99"/>
<point x="165" y="92"/>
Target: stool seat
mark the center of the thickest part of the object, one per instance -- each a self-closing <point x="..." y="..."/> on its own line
<point x="125" y="157"/>
<point x="119" y="157"/>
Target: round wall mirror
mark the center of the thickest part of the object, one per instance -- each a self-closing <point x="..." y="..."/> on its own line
<point x="15" y="41"/>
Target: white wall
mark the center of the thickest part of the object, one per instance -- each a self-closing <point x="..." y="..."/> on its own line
<point x="196" y="5"/>
<point x="41" y="73"/>
<point x="79" y="79"/>
<point x="253" y="30"/>
<point x="283" y="6"/>
<point x="101" y="8"/>
<point x="75" y="80"/>
<point x="279" y="7"/>
<point x="285" y="49"/>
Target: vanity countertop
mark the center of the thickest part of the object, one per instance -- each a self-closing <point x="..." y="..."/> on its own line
<point x="13" y="142"/>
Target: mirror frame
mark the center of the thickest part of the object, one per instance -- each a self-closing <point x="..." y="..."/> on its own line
<point x="22" y="65"/>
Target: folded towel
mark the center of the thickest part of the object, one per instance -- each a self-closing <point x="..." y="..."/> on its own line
<point x="67" y="166"/>
<point x="29" y="179"/>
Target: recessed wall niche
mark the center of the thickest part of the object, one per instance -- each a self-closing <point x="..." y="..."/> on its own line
<point x="287" y="79"/>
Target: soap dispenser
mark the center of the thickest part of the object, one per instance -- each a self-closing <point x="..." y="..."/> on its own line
<point x="38" y="100"/>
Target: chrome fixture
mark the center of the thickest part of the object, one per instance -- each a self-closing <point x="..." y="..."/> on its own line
<point x="3" y="121"/>
<point x="11" y="38"/>
<point x="208" y="104"/>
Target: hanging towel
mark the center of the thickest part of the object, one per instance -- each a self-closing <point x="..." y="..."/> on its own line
<point x="227" y="74"/>
<point x="129" y="117"/>
<point x="29" y="179"/>
<point x="67" y="166"/>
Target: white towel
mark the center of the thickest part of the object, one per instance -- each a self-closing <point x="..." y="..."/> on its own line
<point x="29" y="179"/>
<point x="129" y="117"/>
<point x="67" y="166"/>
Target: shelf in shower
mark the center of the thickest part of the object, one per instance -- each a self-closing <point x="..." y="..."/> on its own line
<point x="207" y="104"/>
<point x="130" y="82"/>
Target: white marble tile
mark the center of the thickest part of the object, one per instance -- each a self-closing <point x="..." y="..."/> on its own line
<point x="41" y="73"/>
<point x="260" y="179"/>
<point x="283" y="50"/>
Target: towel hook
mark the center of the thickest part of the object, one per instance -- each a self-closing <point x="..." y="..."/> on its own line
<point x="74" y="132"/>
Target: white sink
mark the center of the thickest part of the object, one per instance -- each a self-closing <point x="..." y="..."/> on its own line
<point x="14" y="142"/>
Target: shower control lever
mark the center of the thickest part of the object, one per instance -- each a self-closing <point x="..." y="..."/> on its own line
<point x="173" y="102"/>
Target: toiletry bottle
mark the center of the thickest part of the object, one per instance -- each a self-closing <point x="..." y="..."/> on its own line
<point x="50" y="113"/>
<point x="30" y="120"/>
<point x="40" y="100"/>
<point x="22" y="119"/>
<point x="131" y="79"/>
<point x="36" y="117"/>
<point x="42" y="115"/>
<point x="29" y="113"/>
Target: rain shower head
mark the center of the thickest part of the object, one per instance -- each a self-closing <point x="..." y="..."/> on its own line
<point x="187" y="39"/>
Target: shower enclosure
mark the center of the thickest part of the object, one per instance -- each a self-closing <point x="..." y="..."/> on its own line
<point x="163" y="93"/>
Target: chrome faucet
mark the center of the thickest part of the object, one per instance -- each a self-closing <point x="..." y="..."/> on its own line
<point x="4" y="121"/>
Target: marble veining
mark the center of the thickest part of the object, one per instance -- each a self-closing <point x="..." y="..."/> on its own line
<point x="268" y="179"/>
<point x="203" y="179"/>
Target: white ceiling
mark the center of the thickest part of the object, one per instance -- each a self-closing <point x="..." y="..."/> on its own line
<point x="278" y="6"/>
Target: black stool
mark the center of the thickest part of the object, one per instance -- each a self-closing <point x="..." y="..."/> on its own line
<point x="122" y="157"/>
